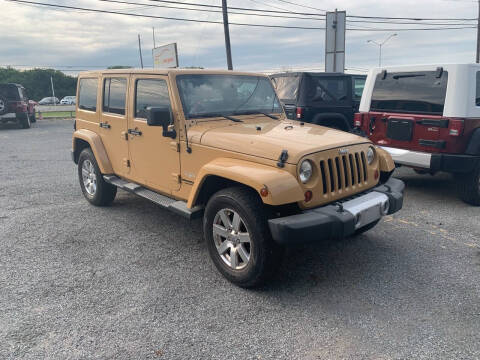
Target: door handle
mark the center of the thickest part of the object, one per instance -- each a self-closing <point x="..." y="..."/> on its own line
<point x="134" y="132"/>
<point x="104" y="125"/>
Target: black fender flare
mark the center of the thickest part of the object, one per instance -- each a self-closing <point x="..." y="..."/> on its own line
<point x="473" y="147"/>
<point x="339" y="118"/>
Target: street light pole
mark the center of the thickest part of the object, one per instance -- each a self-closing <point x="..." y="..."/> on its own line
<point x="380" y="45"/>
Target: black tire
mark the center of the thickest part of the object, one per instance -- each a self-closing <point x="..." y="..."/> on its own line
<point x="264" y="254"/>
<point x="468" y="186"/>
<point x="366" y="228"/>
<point x="24" y="121"/>
<point x="104" y="193"/>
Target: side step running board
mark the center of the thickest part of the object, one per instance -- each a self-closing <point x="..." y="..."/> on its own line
<point x="178" y="207"/>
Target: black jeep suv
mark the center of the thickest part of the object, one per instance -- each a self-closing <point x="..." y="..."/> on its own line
<point x="14" y="105"/>
<point x="329" y="99"/>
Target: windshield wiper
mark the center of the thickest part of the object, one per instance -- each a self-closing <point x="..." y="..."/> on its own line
<point x="215" y="115"/>
<point x="231" y="118"/>
<point x="396" y="77"/>
<point x="257" y="112"/>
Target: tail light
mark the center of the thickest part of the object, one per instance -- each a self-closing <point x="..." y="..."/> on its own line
<point x="455" y="127"/>
<point x="299" y="113"/>
<point x="19" y="106"/>
<point x="358" y="120"/>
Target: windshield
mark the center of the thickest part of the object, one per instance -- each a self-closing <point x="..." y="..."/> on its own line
<point x="410" y="92"/>
<point x="206" y="95"/>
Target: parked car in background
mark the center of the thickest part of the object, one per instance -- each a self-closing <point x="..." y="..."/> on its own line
<point x="328" y="99"/>
<point x="49" y="101"/>
<point x="15" y="106"/>
<point x="68" y="100"/>
<point x="428" y="118"/>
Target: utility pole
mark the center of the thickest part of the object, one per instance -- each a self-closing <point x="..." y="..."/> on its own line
<point x="140" y="51"/>
<point x="227" y="34"/>
<point x="478" y="33"/>
<point x="53" y="92"/>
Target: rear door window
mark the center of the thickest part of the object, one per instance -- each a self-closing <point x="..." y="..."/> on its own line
<point x="286" y="86"/>
<point x="88" y="94"/>
<point x="419" y="92"/>
<point x="114" y="94"/>
<point x="150" y="93"/>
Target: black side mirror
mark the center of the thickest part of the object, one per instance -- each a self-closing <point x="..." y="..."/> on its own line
<point x="161" y="116"/>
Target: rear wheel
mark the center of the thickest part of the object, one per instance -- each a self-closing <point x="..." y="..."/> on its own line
<point x="469" y="186"/>
<point x="94" y="188"/>
<point x="238" y="238"/>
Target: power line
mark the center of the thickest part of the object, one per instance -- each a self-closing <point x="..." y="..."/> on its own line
<point x="209" y="10"/>
<point x="301" y="5"/>
<point x="162" y="17"/>
<point x="219" y="22"/>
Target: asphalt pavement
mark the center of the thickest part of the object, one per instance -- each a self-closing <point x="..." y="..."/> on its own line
<point x="134" y="281"/>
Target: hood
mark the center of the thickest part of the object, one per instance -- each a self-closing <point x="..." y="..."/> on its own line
<point x="266" y="138"/>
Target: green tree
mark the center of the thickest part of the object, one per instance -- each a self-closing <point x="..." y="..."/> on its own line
<point x="37" y="82"/>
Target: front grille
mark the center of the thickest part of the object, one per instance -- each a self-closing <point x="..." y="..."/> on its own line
<point x="343" y="172"/>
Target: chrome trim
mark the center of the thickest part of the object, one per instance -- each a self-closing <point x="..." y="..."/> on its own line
<point x="367" y="208"/>
<point x="409" y="158"/>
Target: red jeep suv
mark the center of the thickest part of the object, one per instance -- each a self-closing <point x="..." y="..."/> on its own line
<point x="15" y="106"/>
<point x="428" y="118"/>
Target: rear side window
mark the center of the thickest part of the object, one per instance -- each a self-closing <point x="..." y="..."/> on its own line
<point x="477" y="96"/>
<point x="150" y="93"/>
<point x="114" y="93"/>
<point x="9" y="92"/>
<point x="327" y="89"/>
<point x="286" y="86"/>
<point x="410" y="92"/>
<point x="87" y="92"/>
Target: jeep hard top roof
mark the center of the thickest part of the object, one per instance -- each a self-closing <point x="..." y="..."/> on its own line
<point x="314" y="73"/>
<point x="460" y="98"/>
<point x="166" y="72"/>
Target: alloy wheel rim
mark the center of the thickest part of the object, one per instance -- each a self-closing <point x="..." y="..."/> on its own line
<point x="2" y="105"/>
<point x="232" y="239"/>
<point x="89" y="177"/>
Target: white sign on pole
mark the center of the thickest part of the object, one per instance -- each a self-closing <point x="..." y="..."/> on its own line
<point x="165" y="56"/>
<point x="335" y="41"/>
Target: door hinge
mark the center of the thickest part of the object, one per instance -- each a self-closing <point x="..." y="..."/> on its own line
<point x="126" y="162"/>
<point x="177" y="178"/>
<point x="175" y="146"/>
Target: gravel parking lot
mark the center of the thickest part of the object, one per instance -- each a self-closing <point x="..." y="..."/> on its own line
<point x="133" y="281"/>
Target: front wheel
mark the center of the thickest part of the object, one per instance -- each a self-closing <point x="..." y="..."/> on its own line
<point x="468" y="186"/>
<point x="238" y="238"/>
<point x="94" y="188"/>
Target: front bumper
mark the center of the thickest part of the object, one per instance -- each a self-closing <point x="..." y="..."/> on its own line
<point x="454" y="163"/>
<point x="341" y="219"/>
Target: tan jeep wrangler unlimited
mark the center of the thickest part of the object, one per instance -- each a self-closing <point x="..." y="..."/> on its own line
<point x="217" y="144"/>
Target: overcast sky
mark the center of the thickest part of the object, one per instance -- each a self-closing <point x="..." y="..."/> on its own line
<point x="38" y="36"/>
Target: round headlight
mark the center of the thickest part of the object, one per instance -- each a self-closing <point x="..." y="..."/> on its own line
<point x="306" y="170"/>
<point x="370" y="155"/>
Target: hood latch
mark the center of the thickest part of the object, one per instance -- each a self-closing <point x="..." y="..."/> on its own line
<point x="282" y="159"/>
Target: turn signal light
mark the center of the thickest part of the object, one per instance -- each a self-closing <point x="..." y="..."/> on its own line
<point x="455" y="127"/>
<point x="264" y="192"/>
<point x="308" y="195"/>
